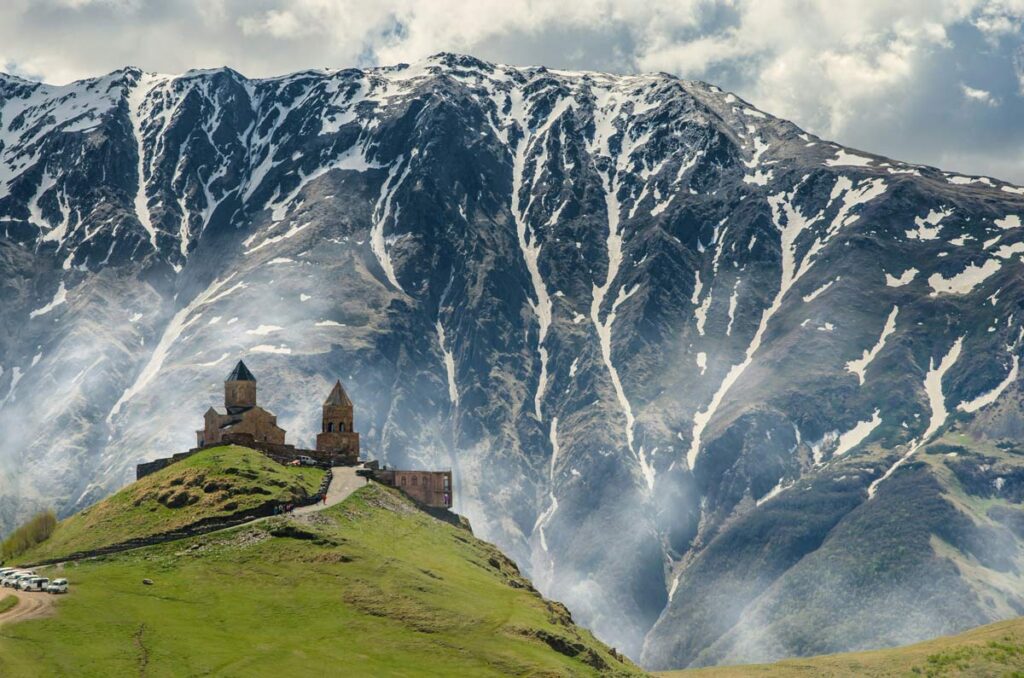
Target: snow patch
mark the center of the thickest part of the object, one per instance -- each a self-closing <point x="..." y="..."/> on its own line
<point x="937" y="403"/>
<point x="964" y="281"/>
<point x="904" y="279"/>
<point x="59" y="298"/>
<point x="808" y="298"/>
<point x="449" y="364"/>
<point x="845" y="158"/>
<point x="990" y="397"/>
<point x="858" y="434"/>
<point x="1008" y="222"/>
<point x="928" y="227"/>
<point x="860" y="366"/>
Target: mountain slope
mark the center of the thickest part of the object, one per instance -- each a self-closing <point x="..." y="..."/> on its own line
<point x="678" y="352"/>
<point x="372" y="586"/>
<point x="992" y="650"/>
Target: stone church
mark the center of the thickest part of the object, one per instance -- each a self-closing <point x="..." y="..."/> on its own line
<point x="242" y="421"/>
<point x="240" y="414"/>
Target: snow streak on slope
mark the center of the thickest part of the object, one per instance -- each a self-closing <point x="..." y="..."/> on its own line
<point x="529" y="242"/>
<point x="808" y="298"/>
<point x="856" y="435"/>
<point x="860" y="366"/>
<point x="607" y="110"/>
<point x="544" y="518"/>
<point x="990" y="397"/>
<point x="937" y="403"/>
<point x="136" y="101"/>
<point x="790" y="222"/>
<point x="178" y="324"/>
<point x="382" y="212"/>
<point x="58" y="298"/>
<point x="449" y="364"/>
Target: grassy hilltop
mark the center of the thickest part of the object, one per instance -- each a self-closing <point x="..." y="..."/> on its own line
<point x="371" y="586"/>
<point x="217" y="482"/>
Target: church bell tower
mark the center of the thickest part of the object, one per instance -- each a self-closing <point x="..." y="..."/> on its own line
<point x="239" y="389"/>
<point x="337" y="434"/>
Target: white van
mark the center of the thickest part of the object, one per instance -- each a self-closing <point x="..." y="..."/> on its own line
<point x="22" y="582"/>
<point x="35" y="584"/>
<point x="58" y="586"/>
<point x="307" y="461"/>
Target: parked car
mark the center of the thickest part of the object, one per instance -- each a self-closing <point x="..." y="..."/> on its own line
<point x="35" y="584"/>
<point x="307" y="461"/>
<point x="58" y="586"/>
<point x="13" y="581"/>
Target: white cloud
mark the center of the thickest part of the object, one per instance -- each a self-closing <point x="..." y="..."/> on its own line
<point x="979" y="95"/>
<point x="844" y="69"/>
<point x="276" y="24"/>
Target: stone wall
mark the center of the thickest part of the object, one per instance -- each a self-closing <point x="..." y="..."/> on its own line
<point x="343" y="443"/>
<point x="429" y="488"/>
<point x="282" y="454"/>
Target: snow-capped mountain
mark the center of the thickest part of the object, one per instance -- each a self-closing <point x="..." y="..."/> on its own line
<point x="728" y="390"/>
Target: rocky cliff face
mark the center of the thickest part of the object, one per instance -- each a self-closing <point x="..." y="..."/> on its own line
<point x="728" y="390"/>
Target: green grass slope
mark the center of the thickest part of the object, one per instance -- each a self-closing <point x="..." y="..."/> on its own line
<point x="370" y="587"/>
<point x="217" y="482"/>
<point x="995" y="650"/>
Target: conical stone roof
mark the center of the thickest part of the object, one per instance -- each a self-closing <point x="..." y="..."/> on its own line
<point x="240" y="373"/>
<point x="338" y="396"/>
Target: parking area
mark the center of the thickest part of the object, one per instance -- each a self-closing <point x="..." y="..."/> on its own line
<point x="29" y="581"/>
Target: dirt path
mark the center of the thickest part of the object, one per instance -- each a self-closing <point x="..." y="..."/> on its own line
<point x="30" y="606"/>
<point x="344" y="482"/>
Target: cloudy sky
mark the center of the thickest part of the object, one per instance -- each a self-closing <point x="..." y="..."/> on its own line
<point x="932" y="81"/>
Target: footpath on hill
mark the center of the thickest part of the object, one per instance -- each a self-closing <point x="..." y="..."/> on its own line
<point x="344" y="482"/>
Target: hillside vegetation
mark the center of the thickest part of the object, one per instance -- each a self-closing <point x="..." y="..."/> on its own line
<point x="995" y="650"/>
<point x="37" y="530"/>
<point x="372" y="586"/>
<point x="217" y="482"/>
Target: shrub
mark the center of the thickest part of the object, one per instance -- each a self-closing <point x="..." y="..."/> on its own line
<point x="37" y="530"/>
